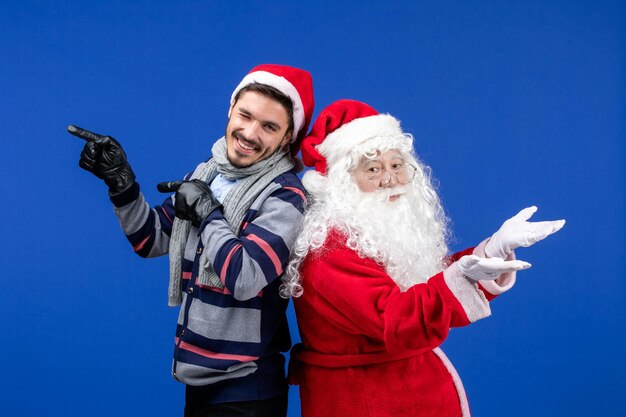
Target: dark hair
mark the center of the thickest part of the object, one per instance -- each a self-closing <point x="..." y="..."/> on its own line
<point x="272" y="93"/>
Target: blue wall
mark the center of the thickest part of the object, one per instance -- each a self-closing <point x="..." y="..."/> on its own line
<point x="512" y="103"/>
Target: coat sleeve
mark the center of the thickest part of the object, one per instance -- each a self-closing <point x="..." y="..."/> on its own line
<point x="248" y="263"/>
<point x="360" y="298"/>
<point x="147" y="229"/>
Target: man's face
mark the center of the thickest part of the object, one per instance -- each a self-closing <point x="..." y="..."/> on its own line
<point x="257" y="127"/>
<point x="386" y="170"/>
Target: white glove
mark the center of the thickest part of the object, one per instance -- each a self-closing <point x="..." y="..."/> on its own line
<point x="518" y="232"/>
<point x="476" y="268"/>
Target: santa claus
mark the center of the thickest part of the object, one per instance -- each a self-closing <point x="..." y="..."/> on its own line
<point x="374" y="289"/>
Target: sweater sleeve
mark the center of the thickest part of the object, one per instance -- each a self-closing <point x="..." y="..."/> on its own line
<point x="248" y="263"/>
<point x="360" y="298"/>
<point x="147" y="229"/>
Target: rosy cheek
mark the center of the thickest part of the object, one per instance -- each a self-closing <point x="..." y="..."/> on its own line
<point x="363" y="184"/>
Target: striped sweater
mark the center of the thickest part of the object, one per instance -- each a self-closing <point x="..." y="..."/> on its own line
<point x="227" y="339"/>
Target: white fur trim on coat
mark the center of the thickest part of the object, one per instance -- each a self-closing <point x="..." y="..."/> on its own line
<point x="465" y="411"/>
<point x="472" y="299"/>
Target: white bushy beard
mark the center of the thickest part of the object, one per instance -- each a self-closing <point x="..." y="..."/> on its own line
<point x="402" y="235"/>
<point x="406" y="236"/>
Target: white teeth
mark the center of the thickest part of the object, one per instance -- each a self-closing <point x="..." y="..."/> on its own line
<point x="246" y="147"/>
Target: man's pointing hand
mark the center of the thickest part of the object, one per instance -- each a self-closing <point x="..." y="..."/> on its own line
<point x="104" y="157"/>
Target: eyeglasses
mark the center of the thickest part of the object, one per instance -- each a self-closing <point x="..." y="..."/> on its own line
<point x="402" y="171"/>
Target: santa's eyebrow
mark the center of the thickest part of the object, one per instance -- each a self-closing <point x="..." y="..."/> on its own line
<point x="367" y="162"/>
<point x="379" y="159"/>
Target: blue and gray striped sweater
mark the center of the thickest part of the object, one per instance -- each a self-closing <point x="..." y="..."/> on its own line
<point x="229" y="339"/>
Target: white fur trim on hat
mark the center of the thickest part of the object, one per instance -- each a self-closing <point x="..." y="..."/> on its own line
<point x="282" y="85"/>
<point x="343" y="140"/>
<point x="315" y="183"/>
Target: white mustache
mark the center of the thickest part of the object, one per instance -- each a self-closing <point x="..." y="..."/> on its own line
<point x="381" y="196"/>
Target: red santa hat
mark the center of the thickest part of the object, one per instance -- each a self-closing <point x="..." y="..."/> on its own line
<point x="342" y="126"/>
<point x="293" y="82"/>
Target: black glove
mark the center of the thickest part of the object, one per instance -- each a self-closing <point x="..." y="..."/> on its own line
<point x="105" y="158"/>
<point x="193" y="201"/>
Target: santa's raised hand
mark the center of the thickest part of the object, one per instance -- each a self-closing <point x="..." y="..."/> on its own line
<point x="488" y="269"/>
<point x="518" y="232"/>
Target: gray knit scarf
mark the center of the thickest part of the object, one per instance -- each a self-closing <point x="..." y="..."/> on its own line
<point x="253" y="180"/>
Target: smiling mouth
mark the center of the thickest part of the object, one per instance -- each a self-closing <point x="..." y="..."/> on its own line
<point x="245" y="145"/>
<point x="396" y="195"/>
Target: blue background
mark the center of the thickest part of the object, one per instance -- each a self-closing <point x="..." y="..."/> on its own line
<point x="512" y="103"/>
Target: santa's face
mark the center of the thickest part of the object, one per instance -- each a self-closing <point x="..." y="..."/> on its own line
<point x="392" y="222"/>
<point x="401" y="227"/>
<point x="383" y="171"/>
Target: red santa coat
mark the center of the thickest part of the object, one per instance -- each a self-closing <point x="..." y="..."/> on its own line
<point x="369" y="349"/>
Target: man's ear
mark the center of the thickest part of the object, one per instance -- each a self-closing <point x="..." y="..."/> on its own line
<point x="286" y="139"/>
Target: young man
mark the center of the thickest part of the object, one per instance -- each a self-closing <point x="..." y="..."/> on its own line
<point x="228" y="230"/>
<point x="375" y="293"/>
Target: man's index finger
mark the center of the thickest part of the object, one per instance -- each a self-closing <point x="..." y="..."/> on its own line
<point x="83" y="134"/>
